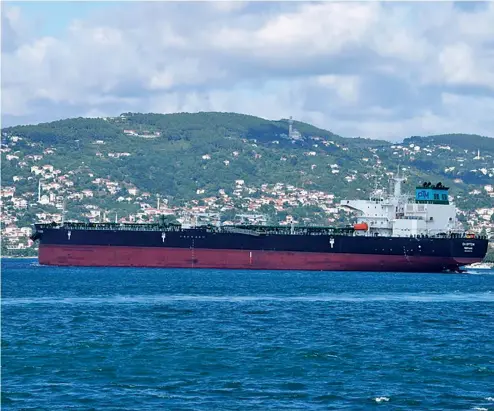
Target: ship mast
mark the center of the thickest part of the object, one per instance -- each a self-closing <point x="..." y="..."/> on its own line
<point x="398" y="180"/>
<point x="63" y="211"/>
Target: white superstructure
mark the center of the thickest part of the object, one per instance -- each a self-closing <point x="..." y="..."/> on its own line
<point x="429" y="213"/>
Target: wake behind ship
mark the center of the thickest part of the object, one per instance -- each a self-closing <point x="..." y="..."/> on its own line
<point x="393" y="233"/>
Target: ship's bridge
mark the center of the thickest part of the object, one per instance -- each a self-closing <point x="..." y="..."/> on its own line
<point x="429" y="213"/>
<point x="376" y="214"/>
<point x="370" y="208"/>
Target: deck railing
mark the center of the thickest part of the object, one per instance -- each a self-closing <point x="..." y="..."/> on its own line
<point x="254" y="230"/>
<point x="241" y="229"/>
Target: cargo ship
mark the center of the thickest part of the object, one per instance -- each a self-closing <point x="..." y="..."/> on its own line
<point x="393" y="232"/>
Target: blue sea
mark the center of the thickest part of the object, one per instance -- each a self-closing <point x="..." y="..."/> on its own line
<point x="156" y="339"/>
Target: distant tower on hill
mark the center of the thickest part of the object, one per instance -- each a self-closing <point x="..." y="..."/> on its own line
<point x="293" y="134"/>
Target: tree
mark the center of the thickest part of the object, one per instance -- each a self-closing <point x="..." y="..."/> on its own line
<point x="228" y="215"/>
<point x="167" y="219"/>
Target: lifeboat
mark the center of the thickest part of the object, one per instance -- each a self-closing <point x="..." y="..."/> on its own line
<point x="361" y="227"/>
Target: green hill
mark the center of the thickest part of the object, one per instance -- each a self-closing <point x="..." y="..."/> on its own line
<point x="463" y="141"/>
<point x="175" y="155"/>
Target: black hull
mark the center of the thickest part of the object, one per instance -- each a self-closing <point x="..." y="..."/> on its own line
<point x="334" y="252"/>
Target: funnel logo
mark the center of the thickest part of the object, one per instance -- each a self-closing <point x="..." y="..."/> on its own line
<point x="423" y="195"/>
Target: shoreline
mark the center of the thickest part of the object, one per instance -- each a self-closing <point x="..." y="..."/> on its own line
<point x="12" y="257"/>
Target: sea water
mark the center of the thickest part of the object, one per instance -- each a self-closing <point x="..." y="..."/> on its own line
<point x="180" y="339"/>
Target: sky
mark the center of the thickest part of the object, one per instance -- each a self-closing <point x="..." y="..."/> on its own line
<point x="385" y="70"/>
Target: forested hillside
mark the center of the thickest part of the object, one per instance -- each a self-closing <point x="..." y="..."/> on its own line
<point x="134" y="167"/>
<point x="177" y="154"/>
<point x="121" y="164"/>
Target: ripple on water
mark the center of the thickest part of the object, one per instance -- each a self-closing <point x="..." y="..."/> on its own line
<point x="131" y="339"/>
<point x="487" y="296"/>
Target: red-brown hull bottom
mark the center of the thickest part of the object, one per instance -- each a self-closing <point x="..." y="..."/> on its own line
<point x="110" y="256"/>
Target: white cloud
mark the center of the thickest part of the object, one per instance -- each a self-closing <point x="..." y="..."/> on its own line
<point x="385" y="70"/>
<point x="346" y="87"/>
<point x="228" y="6"/>
<point x="461" y="65"/>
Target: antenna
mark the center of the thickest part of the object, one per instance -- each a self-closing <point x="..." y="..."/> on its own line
<point x="373" y="192"/>
<point x="398" y="180"/>
<point x="290" y="127"/>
